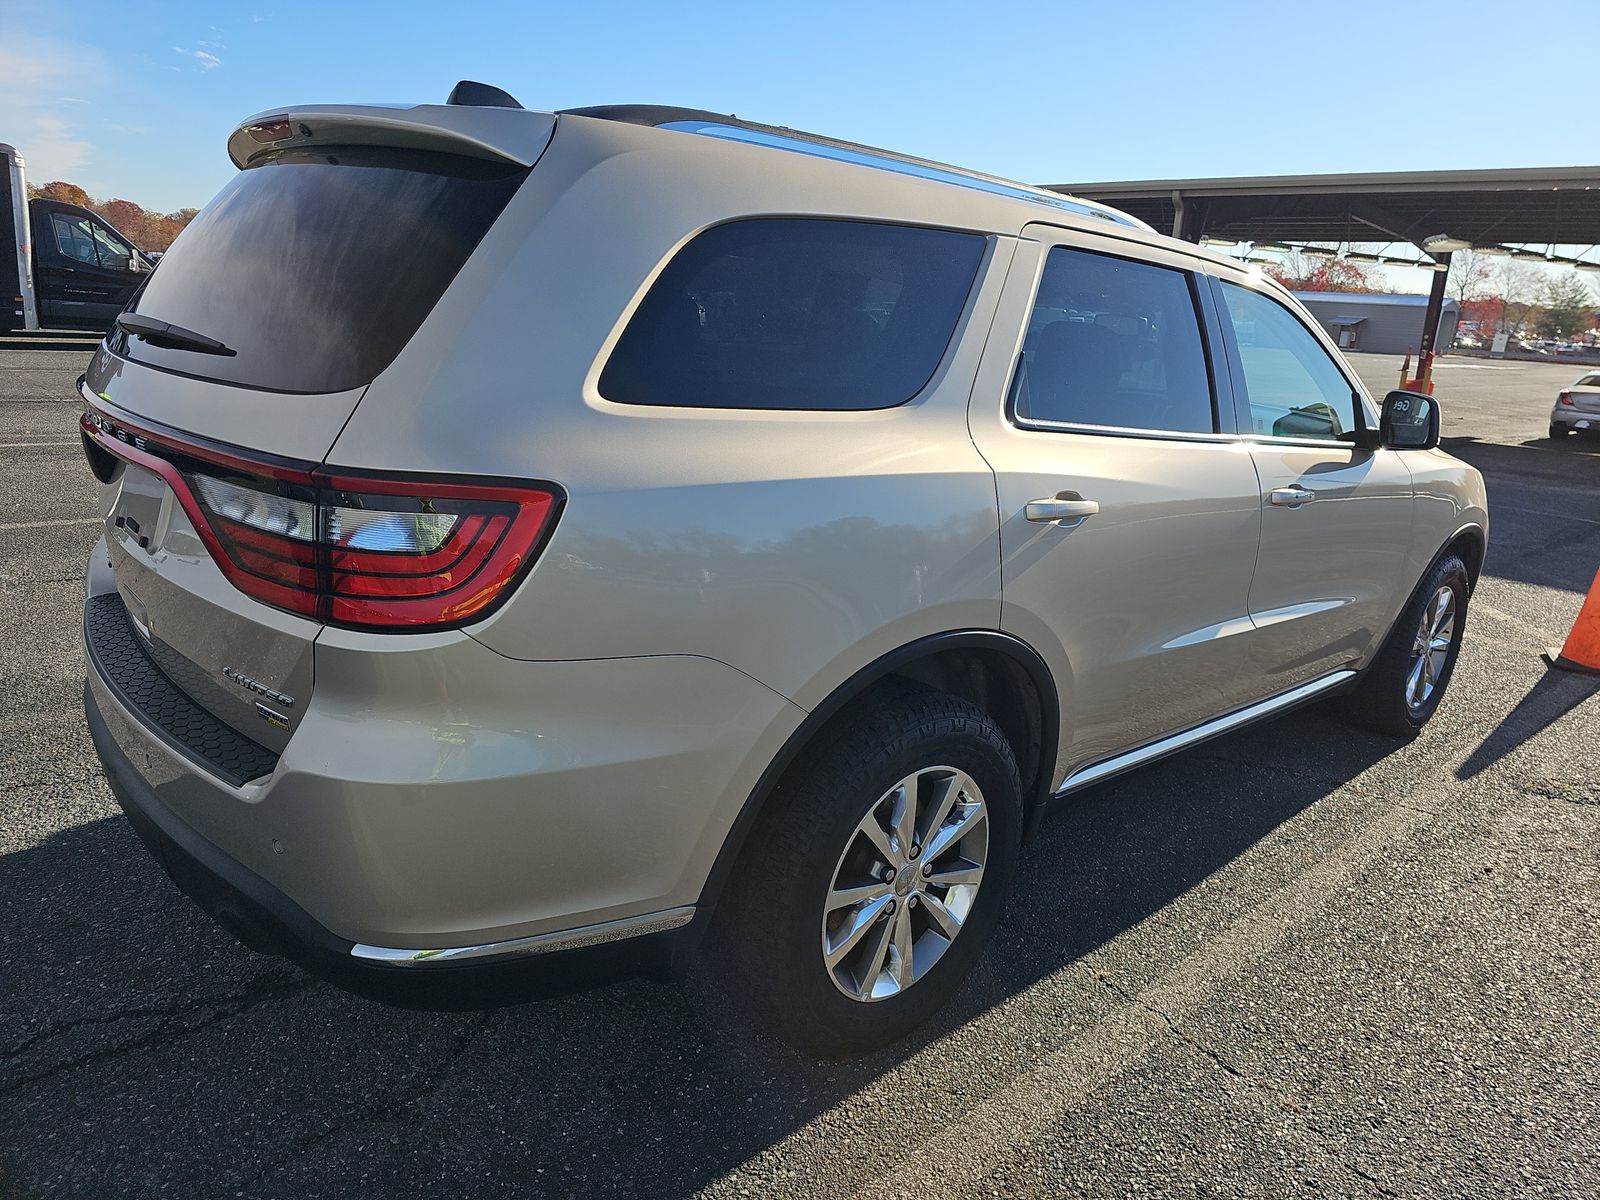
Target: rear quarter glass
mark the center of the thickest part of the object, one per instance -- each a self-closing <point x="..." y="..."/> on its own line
<point x="316" y="267"/>
<point x="796" y="313"/>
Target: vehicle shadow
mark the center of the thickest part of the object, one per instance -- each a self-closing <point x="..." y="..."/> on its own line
<point x="1553" y="695"/>
<point x="127" y="1007"/>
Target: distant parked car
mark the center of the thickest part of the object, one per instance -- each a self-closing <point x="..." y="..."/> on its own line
<point x="1465" y="341"/>
<point x="1577" y="407"/>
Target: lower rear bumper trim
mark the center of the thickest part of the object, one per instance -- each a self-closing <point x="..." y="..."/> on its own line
<point x="543" y="943"/>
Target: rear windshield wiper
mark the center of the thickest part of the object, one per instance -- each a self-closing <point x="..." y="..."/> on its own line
<point x="175" y="337"/>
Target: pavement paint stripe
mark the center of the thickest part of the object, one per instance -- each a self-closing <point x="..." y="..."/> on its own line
<point x="57" y="524"/>
<point x="37" y="445"/>
<point x="1006" y="1122"/>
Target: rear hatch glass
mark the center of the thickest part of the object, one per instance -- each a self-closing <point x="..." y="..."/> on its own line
<point x="315" y="267"/>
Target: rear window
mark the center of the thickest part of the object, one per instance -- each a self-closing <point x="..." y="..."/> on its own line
<point x="316" y="267"/>
<point x="796" y="314"/>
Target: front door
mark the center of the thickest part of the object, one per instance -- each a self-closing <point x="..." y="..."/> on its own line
<point x="1129" y="511"/>
<point x="86" y="272"/>
<point x="1335" y="518"/>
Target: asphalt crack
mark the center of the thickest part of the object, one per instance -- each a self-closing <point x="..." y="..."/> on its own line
<point x="173" y="1022"/>
<point x="424" y="1087"/>
<point x="1263" y="1088"/>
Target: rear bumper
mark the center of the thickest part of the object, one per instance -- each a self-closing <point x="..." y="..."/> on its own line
<point x="265" y="919"/>
<point x="1572" y="417"/>
<point x="442" y="812"/>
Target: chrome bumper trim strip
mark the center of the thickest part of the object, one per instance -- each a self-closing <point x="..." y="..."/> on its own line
<point x="539" y="943"/>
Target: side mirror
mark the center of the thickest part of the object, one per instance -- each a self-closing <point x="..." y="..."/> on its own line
<point x="1410" y="421"/>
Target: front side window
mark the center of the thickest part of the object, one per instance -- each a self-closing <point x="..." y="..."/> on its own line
<point x="796" y="314"/>
<point x="1294" y="388"/>
<point x="74" y="238"/>
<point x="1114" y="343"/>
<point x="114" y="252"/>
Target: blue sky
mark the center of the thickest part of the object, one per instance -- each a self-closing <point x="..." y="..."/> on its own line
<point x="136" y="100"/>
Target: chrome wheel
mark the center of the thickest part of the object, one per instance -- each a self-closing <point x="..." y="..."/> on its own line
<point x="1430" y="648"/>
<point x="905" y="883"/>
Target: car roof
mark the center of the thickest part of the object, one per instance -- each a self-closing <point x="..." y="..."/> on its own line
<point x="732" y="128"/>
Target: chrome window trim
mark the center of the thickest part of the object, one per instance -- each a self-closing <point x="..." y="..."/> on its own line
<point x="1042" y="425"/>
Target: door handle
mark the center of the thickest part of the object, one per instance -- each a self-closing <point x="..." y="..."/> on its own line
<point x="1067" y="508"/>
<point x="1291" y="497"/>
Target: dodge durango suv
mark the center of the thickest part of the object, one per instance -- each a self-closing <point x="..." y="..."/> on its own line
<point x="535" y="540"/>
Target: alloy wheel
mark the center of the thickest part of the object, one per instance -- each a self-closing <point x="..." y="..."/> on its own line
<point x="1430" y="648"/>
<point x="905" y="883"/>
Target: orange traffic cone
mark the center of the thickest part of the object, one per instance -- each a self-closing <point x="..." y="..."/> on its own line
<point x="1582" y="651"/>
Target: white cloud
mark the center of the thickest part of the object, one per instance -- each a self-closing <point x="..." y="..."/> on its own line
<point x="35" y="115"/>
<point x="204" y="59"/>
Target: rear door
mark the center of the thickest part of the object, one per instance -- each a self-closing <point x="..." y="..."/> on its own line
<point x="1335" y="519"/>
<point x="86" y="270"/>
<point x="1111" y="411"/>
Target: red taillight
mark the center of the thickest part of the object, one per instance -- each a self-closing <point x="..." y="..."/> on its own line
<point x="1564" y="397"/>
<point x="348" y="548"/>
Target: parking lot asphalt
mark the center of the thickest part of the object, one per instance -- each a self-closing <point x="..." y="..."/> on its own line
<point x="1300" y="960"/>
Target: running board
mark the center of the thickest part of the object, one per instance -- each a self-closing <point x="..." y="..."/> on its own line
<point x="1260" y="711"/>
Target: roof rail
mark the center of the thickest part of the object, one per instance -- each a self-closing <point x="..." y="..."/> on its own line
<point x="731" y="128"/>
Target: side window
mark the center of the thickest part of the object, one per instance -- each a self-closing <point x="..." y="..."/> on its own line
<point x="115" y="254"/>
<point x="796" y="314"/>
<point x="73" y="238"/>
<point x="1293" y="387"/>
<point x="1114" y="343"/>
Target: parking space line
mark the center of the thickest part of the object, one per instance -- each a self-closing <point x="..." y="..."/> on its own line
<point x="1031" y="1104"/>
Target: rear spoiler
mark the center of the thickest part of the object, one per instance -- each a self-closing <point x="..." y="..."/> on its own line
<point x="499" y="134"/>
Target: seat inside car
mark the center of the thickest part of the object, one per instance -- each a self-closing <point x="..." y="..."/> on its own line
<point x="1074" y="375"/>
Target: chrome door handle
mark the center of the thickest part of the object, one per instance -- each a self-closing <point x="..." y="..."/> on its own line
<point x="1291" y="497"/>
<point x="1067" y="507"/>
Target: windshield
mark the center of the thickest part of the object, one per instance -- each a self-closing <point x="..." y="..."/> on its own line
<point x="316" y="267"/>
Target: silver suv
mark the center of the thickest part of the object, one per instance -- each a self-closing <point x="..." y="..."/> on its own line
<point x="533" y="540"/>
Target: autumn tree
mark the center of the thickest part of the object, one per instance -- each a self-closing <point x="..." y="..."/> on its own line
<point x="1470" y="273"/>
<point x="1569" y="307"/>
<point x="1313" y="273"/>
<point x="1483" y="312"/>
<point x="1516" y="285"/>
<point x="66" y="193"/>
<point x="145" y="229"/>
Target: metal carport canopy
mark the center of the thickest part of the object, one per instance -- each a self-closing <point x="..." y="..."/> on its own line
<point x="1521" y="205"/>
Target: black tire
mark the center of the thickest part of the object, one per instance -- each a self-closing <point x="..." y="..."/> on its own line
<point x="1558" y="432"/>
<point x="772" y="920"/>
<point x="1380" y="701"/>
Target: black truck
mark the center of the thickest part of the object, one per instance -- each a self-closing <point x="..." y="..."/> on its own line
<point x="61" y="266"/>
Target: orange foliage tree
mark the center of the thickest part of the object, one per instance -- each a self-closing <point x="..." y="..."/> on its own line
<point x="146" y="230"/>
